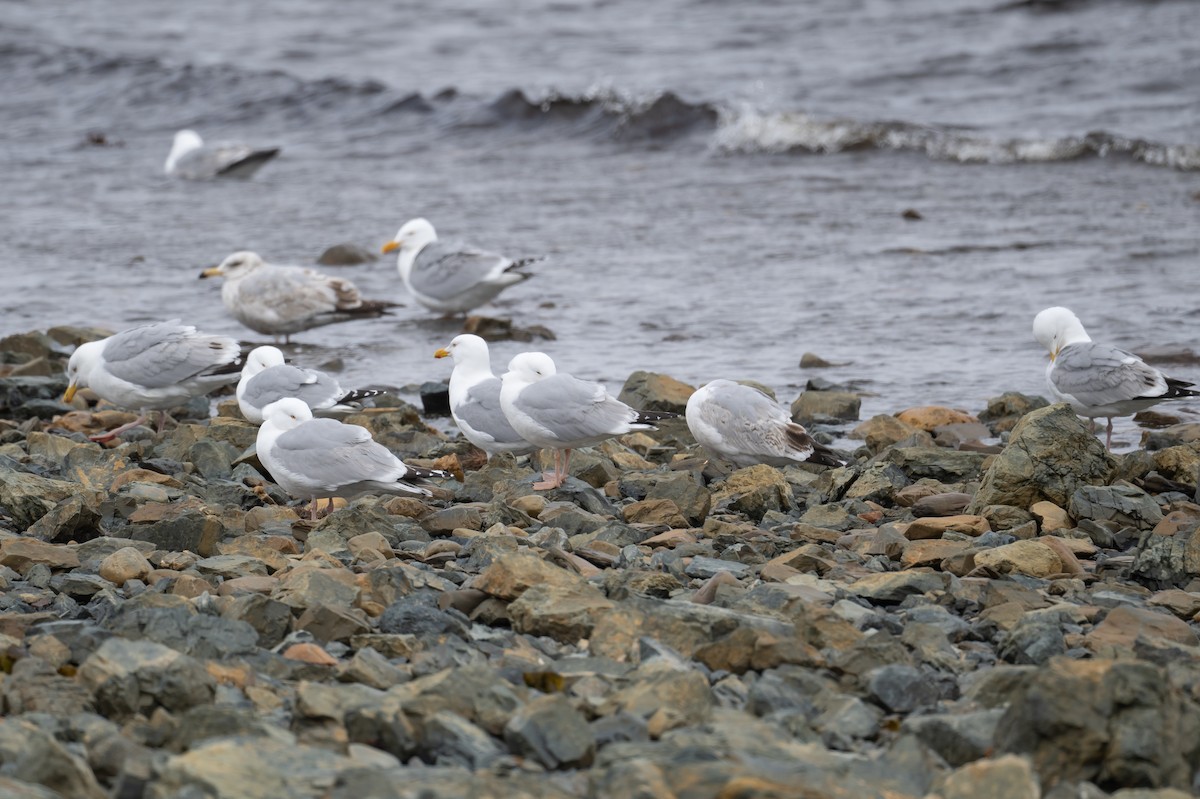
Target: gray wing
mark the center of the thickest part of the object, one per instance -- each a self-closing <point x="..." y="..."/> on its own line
<point x="316" y="389"/>
<point x="746" y="420"/>
<point x="481" y="412"/>
<point x="166" y="353"/>
<point x="445" y="270"/>
<point x="294" y="292"/>
<point x="1100" y="374"/>
<point x="572" y="409"/>
<point x="231" y="160"/>
<point x="331" y="454"/>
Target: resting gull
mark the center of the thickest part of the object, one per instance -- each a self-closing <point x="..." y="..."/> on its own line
<point x="560" y="412"/>
<point x="1099" y="379"/>
<point x="152" y="367"/>
<point x="744" y="426"/>
<point x="192" y="159"/>
<point x="320" y="458"/>
<point x="451" y="278"/>
<point x="282" y="300"/>
<point x="266" y="377"/>
<point x="475" y="398"/>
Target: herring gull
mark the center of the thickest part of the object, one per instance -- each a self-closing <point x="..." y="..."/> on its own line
<point x="447" y="277"/>
<point x="266" y="377"/>
<point x="1099" y="379"/>
<point x="192" y="159"/>
<point x="321" y="458"/>
<point x="557" y="411"/>
<point x="152" y="367"/>
<point x="744" y="426"/>
<point x="282" y="300"/>
<point x="475" y="398"/>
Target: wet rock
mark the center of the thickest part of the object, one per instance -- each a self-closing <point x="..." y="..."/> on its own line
<point x="550" y="730"/>
<point x="1003" y="412"/>
<point x="1124" y="504"/>
<point x="648" y="391"/>
<point x="1049" y="456"/>
<point x="346" y="254"/>
<point x="813" y="406"/>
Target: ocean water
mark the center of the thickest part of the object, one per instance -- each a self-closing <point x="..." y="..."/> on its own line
<point x="717" y="187"/>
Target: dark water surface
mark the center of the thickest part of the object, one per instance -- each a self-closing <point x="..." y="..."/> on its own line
<point x="719" y="187"/>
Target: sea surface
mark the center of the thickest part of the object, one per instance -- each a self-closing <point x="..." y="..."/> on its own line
<point x="718" y="187"/>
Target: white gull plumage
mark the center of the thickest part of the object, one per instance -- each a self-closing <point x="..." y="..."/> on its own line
<point x="475" y="398"/>
<point x="192" y="159"/>
<point x="267" y="377"/>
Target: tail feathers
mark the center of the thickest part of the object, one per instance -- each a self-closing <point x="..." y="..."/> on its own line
<point x="1177" y="389"/>
<point x="824" y="456"/>
<point x="359" y="394"/>
<point x="371" y="308"/>
<point x="821" y="455"/>
<point x="250" y="164"/>
<point x="650" y="417"/>
<point x="519" y="263"/>
<point x="416" y="472"/>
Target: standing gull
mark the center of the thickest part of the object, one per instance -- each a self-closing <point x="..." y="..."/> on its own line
<point x="451" y="278"/>
<point x="282" y="300"/>
<point x="320" y="458"/>
<point x="192" y="159"/>
<point x="1099" y="379"/>
<point x="560" y="412"/>
<point x="266" y="378"/>
<point x="475" y="398"/>
<point x="154" y="366"/>
<point x="744" y="426"/>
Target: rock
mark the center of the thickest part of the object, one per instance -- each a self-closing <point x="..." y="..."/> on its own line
<point x="1005" y="777"/>
<point x="882" y="431"/>
<point x="129" y="677"/>
<point x="190" y="530"/>
<point x="553" y="732"/>
<point x="251" y="767"/>
<point x="648" y="391"/>
<point x="1049" y="455"/>
<point x="1033" y="558"/>
<point x="22" y="554"/>
<point x="1051" y="517"/>
<point x="564" y="613"/>
<point x="943" y="465"/>
<point x="931" y="417"/>
<point x="346" y="254"/>
<point x="511" y="575"/>
<point x="124" y="565"/>
<point x="1122" y="628"/>
<point x="1165" y="561"/>
<point x="931" y="553"/>
<point x="449" y="739"/>
<point x="1124" y="504"/>
<point x="900" y="688"/>
<point x="754" y="491"/>
<point x="72" y="519"/>
<point x="813" y="406"/>
<point x="30" y="755"/>
<point x="951" y="503"/>
<point x="1003" y="412"/>
<point x="418" y="614"/>
<point x="936" y="527"/>
<point x="877" y="482"/>
<point x="28" y="497"/>
<point x="957" y="737"/>
<point x="1114" y="723"/>
<point x="659" y="687"/>
<point x="893" y="587"/>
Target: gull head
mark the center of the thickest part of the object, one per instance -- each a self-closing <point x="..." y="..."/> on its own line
<point x="185" y="142"/>
<point x="286" y="413"/>
<point x="79" y="367"/>
<point x="1055" y="328"/>
<point x="261" y="359"/>
<point x="236" y="266"/>
<point x="467" y="348"/>
<point x="412" y="236"/>
<point x="530" y="367"/>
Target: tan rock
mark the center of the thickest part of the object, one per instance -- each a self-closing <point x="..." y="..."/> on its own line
<point x="936" y="526"/>
<point x="930" y="552"/>
<point x="531" y="504"/>
<point x="372" y="541"/>
<point x="670" y="539"/>
<point x="21" y="554"/>
<point x="510" y="575"/>
<point x="1123" y="626"/>
<point x="564" y="613"/>
<point x="1050" y="516"/>
<point x="929" y="417"/>
<point x="655" y="511"/>
<point x="882" y="431"/>
<point x="310" y="653"/>
<point x="1032" y="557"/>
<point x="191" y="586"/>
<point x="124" y="565"/>
<point x="1184" y="604"/>
<point x="249" y="584"/>
<point x="1004" y="777"/>
<point x="1070" y="564"/>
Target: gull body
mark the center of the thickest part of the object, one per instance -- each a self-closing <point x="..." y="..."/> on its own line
<point x="192" y="159"/>
<point x="314" y="459"/>
<point x="267" y="377"/>
<point x="744" y="426"/>
<point x="450" y="278"/>
<point x="555" y="410"/>
<point x="1099" y="380"/>
<point x="282" y="300"/>
<point x="475" y="398"/>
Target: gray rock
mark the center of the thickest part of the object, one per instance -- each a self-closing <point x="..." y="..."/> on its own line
<point x="72" y="519"/>
<point x="449" y="739"/>
<point x="128" y="677"/>
<point x="173" y="622"/>
<point x="1032" y="642"/>
<point x="28" y="497"/>
<point x="269" y="618"/>
<point x="206" y="722"/>
<point x="877" y="482"/>
<point x="30" y="755"/>
<point x="346" y="254"/>
<point x="1122" y="503"/>
<point x="19" y="789"/>
<point x="191" y="530"/>
<point x="250" y="767"/>
<point x="900" y="688"/>
<point x="553" y="732"/>
<point x="813" y="406"/>
<point x="1167" y="561"/>
<point x="704" y="568"/>
<point x="943" y="465"/>
<point x="957" y="737"/>
<point x="418" y="614"/>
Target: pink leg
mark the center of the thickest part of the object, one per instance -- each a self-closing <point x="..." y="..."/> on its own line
<point x="548" y="478"/>
<point x="111" y="434"/>
<point x="566" y="465"/>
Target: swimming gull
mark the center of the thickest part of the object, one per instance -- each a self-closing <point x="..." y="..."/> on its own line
<point x="447" y="277"/>
<point x="282" y="300"/>
<point x="320" y="458"/>
<point x="744" y="426"/>
<point x="1099" y="379"/>
<point x="475" y="398"/>
<point x="192" y="159"/>
<point x="266" y="377"/>
<point x="554" y="410"/>
<point x="152" y="367"/>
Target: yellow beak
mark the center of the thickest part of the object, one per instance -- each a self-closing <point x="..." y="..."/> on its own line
<point x="442" y="353"/>
<point x="1054" y="353"/>
<point x="70" y="392"/>
<point x="212" y="271"/>
<point x="391" y="246"/>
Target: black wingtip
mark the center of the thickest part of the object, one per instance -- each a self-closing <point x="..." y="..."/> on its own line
<point x="650" y="417"/>
<point x="251" y="162"/>
<point x="424" y="474"/>
<point x="361" y="394"/>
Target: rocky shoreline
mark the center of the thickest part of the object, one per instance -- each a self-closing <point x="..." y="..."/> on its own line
<point x="937" y="618"/>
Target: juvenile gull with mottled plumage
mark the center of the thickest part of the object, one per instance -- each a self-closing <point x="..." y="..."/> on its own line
<point x="267" y="377"/>
<point x="1099" y="379"/>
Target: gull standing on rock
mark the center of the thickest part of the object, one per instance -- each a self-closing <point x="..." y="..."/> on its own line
<point x="744" y="426"/>
<point x="190" y="158"/>
<point x="451" y="278"/>
<point x="557" y="411"/>
<point x="321" y="458"/>
<point x="282" y="300"/>
<point x="475" y="398"/>
<point x="1099" y="379"/>
<point x="266" y="377"/>
<point x="152" y="367"/>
